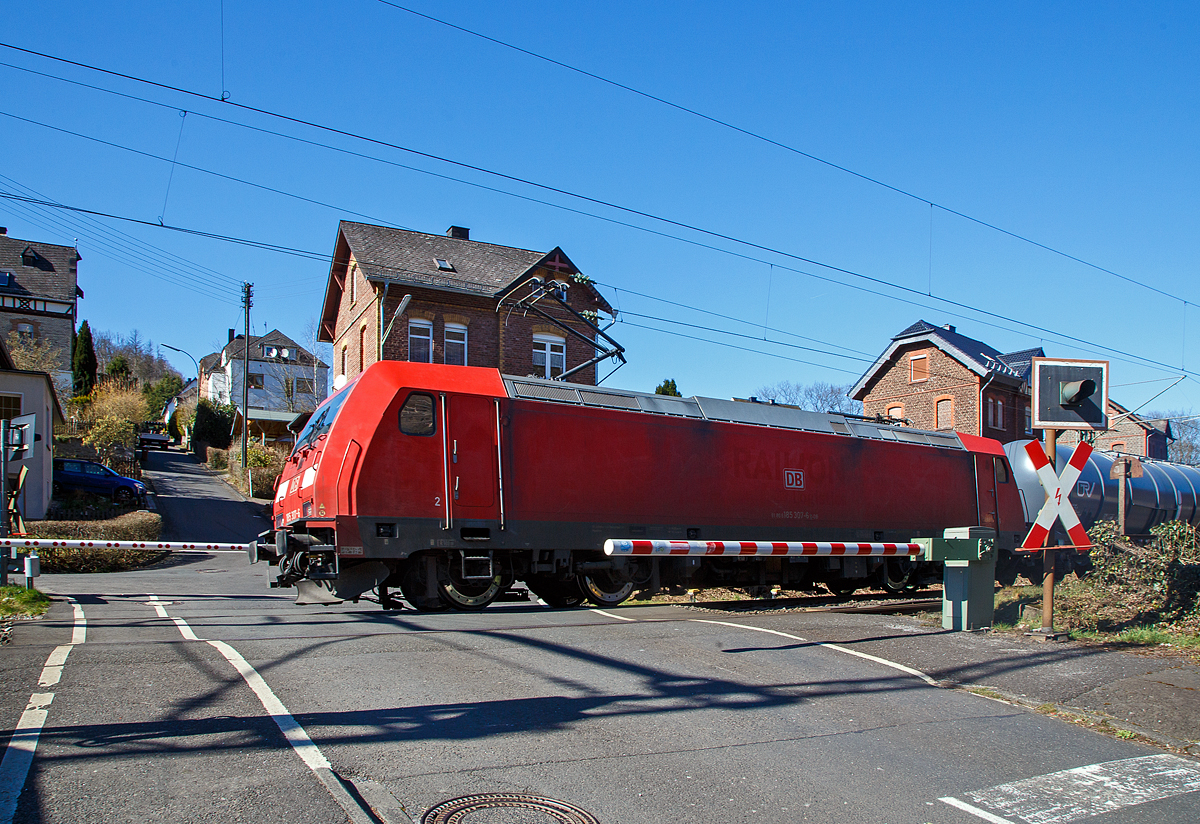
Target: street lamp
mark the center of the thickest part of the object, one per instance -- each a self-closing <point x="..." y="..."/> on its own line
<point x="180" y="351"/>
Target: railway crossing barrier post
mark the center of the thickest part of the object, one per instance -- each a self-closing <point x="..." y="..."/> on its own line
<point x="968" y="558"/>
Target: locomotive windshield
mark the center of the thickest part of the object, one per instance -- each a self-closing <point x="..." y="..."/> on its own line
<point x="321" y="421"/>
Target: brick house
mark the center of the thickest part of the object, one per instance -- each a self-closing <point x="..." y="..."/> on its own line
<point x="284" y="376"/>
<point x="933" y="377"/>
<point x="39" y="294"/>
<point x="1129" y="434"/>
<point x="465" y="305"/>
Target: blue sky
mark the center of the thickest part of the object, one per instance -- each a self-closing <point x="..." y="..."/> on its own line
<point x="1072" y="125"/>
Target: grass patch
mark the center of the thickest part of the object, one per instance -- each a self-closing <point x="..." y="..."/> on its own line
<point x="19" y="602"/>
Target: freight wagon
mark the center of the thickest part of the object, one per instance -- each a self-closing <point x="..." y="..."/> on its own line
<point x="448" y="483"/>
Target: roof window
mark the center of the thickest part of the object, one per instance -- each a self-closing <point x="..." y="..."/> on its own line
<point x="444" y="265"/>
<point x="6" y="278"/>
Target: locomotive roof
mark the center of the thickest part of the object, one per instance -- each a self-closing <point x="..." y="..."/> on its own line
<point x="716" y="409"/>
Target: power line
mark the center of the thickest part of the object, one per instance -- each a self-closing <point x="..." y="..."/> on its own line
<point x="841" y="270"/>
<point x="786" y="147"/>
<point x="618" y="208"/>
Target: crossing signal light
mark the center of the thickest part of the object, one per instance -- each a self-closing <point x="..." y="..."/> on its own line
<point x="1072" y="393"/>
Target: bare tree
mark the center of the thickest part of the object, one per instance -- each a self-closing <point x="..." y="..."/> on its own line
<point x="815" y="397"/>
<point x="1185" y="427"/>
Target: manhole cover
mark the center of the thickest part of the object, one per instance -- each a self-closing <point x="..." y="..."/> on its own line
<point x="498" y="808"/>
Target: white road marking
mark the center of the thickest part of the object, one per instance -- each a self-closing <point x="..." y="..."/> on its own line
<point x="52" y="671"/>
<point x="611" y="615"/>
<point x="855" y="653"/>
<point x="975" y="811"/>
<point x="289" y="726"/>
<point x="18" y="756"/>
<point x="1072" y="795"/>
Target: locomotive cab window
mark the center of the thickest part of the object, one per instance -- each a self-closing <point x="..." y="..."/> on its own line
<point x="1001" y="471"/>
<point x="416" y="416"/>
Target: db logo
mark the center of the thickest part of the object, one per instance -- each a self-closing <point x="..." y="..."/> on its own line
<point x="793" y="478"/>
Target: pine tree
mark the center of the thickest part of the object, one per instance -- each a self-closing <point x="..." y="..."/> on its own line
<point x="83" y="362"/>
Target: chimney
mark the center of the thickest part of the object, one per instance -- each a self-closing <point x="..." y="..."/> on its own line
<point x="231" y="336"/>
<point x="459" y="233"/>
<point x="3" y="230"/>
<point x="949" y="328"/>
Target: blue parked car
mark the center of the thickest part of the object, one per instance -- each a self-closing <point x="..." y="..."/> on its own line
<point x="96" y="478"/>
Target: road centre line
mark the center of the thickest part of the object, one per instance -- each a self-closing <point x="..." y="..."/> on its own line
<point x="293" y="733"/>
<point x="1084" y="792"/>
<point x="18" y="755"/>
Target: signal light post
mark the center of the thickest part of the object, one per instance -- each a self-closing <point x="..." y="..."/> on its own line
<point x="1064" y="397"/>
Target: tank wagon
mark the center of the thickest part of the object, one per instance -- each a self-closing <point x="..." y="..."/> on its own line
<point x="449" y="482"/>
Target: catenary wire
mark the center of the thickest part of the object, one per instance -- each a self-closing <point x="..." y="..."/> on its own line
<point x="966" y="307"/>
<point x="325" y="257"/>
<point x="786" y="147"/>
<point x="133" y="247"/>
<point x="107" y="249"/>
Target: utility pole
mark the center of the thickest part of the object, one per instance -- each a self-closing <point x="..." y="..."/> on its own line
<point x="247" y="294"/>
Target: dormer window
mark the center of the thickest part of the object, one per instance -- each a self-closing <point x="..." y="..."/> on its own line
<point x="6" y="278"/>
<point x="29" y="257"/>
<point x="444" y="265"/>
<point x="270" y="352"/>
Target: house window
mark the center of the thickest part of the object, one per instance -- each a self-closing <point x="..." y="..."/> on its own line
<point x="256" y="380"/>
<point x="944" y="414"/>
<point x="305" y="386"/>
<point x="362" y="349"/>
<point x="6" y="278"/>
<point x="918" y="368"/>
<point x="456" y="344"/>
<point x="1119" y="446"/>
<point x="10" y="407"/>
<point x="995" y="413"/>
<point x="420" y="341"/>
<point x="1028" y="421"/>
<point x="343" y="372"/>
<point x="549" y="356"/>
<point x="896" y="413"/>
<point x="353" y="282"/>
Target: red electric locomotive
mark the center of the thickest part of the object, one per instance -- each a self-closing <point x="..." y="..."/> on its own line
<point x="451" y="482"/>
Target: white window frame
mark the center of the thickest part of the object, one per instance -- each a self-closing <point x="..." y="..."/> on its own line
<point x="549" y="347"/>
<point x="424" y="330"/>
<point x="449" y="344"/>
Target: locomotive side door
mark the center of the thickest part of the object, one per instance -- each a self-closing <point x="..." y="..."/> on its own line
<point x="471" y="455"/>
<point x="985" y="482"/>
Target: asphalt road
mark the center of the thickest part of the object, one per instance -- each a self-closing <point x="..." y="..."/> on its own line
<point x="193" y="692"/>
<point x="672" y="716"/>
<point x="197" y="506"/>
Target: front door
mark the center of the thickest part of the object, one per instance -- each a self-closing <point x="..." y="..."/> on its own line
<point x="471" y="455"/>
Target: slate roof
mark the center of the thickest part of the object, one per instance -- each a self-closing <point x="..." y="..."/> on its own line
<point x="410" y="257"/>
<point x="404" y="257"/>
<point x="233" y="350"/>
<point x="984" y="360"/>
<point x="52" y="274"/>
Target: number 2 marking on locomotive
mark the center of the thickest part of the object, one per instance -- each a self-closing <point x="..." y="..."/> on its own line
<point x="437" y="501"/>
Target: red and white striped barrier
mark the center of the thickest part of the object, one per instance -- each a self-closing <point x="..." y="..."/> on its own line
<point x="622" y="547"/>
<point x="166" y="546"/>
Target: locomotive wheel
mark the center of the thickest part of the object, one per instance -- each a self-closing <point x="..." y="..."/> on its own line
<point x="898" y="575"/>
<point x="412" y="584"/>
<point x="841" y="589"/>
<point x="469" y="595"/>
<point x="603" y="589"/>
<point x="559" y="594"/>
